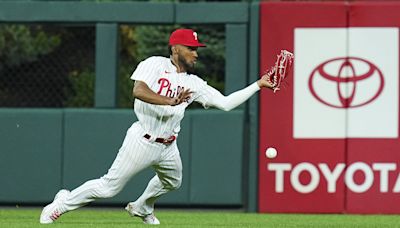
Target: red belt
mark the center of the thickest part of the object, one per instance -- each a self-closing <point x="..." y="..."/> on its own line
<point x="162" y="140"/>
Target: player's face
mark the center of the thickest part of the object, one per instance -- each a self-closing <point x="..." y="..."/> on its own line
<point x="187" y="57"/>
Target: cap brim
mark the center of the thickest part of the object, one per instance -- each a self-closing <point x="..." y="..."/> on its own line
<point x="189" y="44"/>
<point x="196" y="45"/>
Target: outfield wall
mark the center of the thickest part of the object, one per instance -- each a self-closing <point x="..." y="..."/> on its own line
<point x="336" y="127"/>
<point x="44" y="150"/>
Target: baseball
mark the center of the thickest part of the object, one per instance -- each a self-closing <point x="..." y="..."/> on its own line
<point x="271" y="152"/>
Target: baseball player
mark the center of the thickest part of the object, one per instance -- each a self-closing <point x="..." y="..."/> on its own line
<point x="163" y="90"/>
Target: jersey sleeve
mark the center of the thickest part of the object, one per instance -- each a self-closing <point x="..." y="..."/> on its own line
<point x="208" y="96"/>
<point x="205" y="93"/>
<point x="146" y="71"/>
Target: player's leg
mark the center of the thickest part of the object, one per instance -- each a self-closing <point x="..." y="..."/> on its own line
<point x="168" y="178"/>
<point x="134" y="155"/>
<point x="109" y="185"/>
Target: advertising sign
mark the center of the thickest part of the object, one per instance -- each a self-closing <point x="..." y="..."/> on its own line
<point x="336" y="126"/>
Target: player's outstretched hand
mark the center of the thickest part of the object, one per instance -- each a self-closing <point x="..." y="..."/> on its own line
<point x="182" y="97"/>
<point x="265" y="82"/>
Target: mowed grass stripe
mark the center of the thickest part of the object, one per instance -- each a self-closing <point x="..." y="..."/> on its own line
<point x="11" y="218"/>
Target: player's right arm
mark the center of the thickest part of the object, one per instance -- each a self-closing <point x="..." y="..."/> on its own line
<point x="142" y="92"/>
<point x="145" y="75"/>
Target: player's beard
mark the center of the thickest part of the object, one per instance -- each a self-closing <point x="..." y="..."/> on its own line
<point x="188" y="66"/>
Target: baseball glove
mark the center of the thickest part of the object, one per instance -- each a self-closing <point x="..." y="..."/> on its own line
<point x="280" y="70"/>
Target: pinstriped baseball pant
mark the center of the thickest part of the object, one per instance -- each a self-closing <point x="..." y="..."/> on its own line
<point x="135" y="154"/>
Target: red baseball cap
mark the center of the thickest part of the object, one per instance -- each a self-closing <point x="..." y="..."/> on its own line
<point x="186" y="37"/>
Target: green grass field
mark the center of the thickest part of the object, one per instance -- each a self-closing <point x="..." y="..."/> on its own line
<point x="87" y="217"/>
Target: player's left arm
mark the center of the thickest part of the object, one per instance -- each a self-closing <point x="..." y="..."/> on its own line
<point x="212" y="97"/>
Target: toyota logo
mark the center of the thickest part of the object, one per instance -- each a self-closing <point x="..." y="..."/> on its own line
<point x="347" y="82"/>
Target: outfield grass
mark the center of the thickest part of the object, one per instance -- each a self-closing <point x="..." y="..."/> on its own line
<point x="11" y="218"/>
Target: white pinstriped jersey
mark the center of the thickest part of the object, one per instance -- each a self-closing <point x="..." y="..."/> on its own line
<point x="160" y="76"/>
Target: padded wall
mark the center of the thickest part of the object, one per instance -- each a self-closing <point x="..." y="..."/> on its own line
<point x="48" y="149"/>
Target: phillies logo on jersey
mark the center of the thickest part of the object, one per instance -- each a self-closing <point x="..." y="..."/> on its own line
<point x="165" y="88"/>
<point x="347" y="75"/>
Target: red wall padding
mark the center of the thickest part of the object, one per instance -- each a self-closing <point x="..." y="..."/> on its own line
<point x="301" y="159"/>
